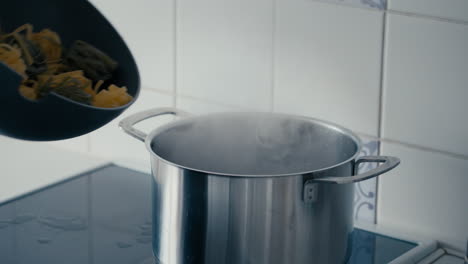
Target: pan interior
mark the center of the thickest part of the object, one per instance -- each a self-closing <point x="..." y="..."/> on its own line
<point x="253" y="144"/>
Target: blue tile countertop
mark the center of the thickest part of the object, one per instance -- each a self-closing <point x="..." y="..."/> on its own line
<point x="104" y="216"/>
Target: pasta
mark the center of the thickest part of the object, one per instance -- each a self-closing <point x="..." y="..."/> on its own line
<point x="11" y="56"/>
<point x="50" y="44"/>
<point x="28" y="89"/>
<point x="41" y="60"/>
<point x="114" y="96"/>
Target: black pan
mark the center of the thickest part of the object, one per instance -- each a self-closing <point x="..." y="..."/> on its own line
<point x="56" y="117"/>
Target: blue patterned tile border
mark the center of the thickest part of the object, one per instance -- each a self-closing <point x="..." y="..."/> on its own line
<point x="366" y="191"/>
<point x="379" y="4"/>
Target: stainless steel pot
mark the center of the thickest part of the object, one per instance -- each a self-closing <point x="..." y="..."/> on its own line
<point x="252" y="187"/>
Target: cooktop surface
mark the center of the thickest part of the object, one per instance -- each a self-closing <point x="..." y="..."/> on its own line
<point x="104" y="216"/>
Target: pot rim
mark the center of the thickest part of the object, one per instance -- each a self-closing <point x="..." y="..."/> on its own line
<point x="327" y="124"/>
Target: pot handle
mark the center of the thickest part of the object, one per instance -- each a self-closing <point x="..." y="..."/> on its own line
<point x="127" y="123"/>
<point x="388" y="164"/>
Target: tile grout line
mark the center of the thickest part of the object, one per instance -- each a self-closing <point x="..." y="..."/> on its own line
<point x="392" y="11"/>
<point x="381" y="101"/>
<point x="156" y="90"/>
<point x="203" y="100"/>
<point x="343" y="4"/>
<point x="429" y="17"/>
<point x="273" y="56"/>
<point x="175" y="46"/>
<point x="415" y="146"/>
<point x="382" y="76"/>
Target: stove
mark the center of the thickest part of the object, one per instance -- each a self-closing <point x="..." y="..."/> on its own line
<point x="104" y="216"/>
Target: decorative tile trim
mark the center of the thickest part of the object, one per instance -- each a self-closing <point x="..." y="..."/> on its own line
<point x="379" y="4"/>
<point x="365" y="191"/>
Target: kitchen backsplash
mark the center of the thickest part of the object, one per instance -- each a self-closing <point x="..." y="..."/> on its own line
<point x="397" y="76"/>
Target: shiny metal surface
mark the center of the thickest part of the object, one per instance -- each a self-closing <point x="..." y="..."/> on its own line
<point x="252" y="188"/>
<point x="127" y="123"/>
<point x="388" y="163"/>
<point x="202" y="218"/>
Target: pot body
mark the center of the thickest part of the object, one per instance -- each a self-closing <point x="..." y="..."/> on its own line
<point x="200" y="218"/>
<point x="252" y="188"/>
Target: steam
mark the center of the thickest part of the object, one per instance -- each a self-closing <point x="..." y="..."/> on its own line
<point x="252" y="144"/>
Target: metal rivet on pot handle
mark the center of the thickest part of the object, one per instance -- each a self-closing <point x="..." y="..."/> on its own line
<point x="127" y="123"/>
<point x="388" y="163"/>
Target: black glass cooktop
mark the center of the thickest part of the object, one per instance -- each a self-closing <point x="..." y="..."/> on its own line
<point x="104" y="216"/>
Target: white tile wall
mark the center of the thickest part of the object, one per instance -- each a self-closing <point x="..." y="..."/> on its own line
<point x="427" y="193"/>
<point x="195" y="106"/>
<point x="453" y="9"/>
<point x="148" y="28"/>
<point x="78" y="144"/>
<point x="328" y="63"/>
<point x="426" y="78"/>
<point x="27" y="166"/>
<point x="224" y="51"/>
<point x="110" y="141"/>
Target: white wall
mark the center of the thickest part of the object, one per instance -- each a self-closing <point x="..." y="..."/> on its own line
<point x="400" y="75"/>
